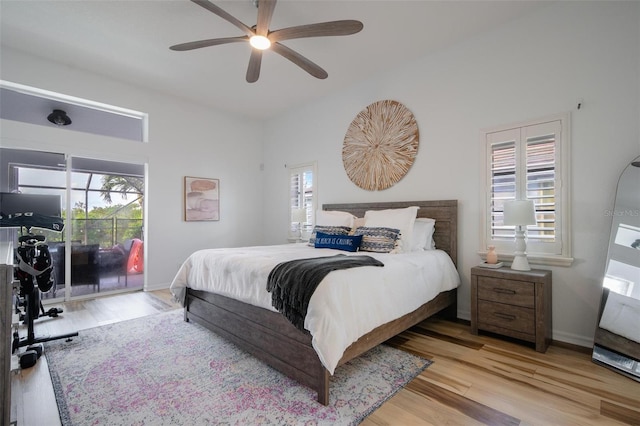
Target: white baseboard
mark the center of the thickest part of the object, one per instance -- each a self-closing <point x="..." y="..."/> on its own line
<point x="574" y="339"/>
<point x="153" y="287"/>
<point x="464" y="315"/>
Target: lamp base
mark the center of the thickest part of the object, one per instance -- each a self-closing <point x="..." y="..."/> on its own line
<point x="520" y="263"/>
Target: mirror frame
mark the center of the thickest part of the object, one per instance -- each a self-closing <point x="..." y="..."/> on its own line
<point x="610" y="349"/>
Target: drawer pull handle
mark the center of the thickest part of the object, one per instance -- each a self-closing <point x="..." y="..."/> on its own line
<point x="507" y="317"/>
<point x="504" y="290"/>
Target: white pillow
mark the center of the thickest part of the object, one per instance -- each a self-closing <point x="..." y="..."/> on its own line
<point x="422" y="238"/>
<point x="334" y="218"/>
<point x="402" y="219"/>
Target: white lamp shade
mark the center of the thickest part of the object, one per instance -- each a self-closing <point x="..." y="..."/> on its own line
<point x="299" y="215"/>
<point x="519" y="212"/>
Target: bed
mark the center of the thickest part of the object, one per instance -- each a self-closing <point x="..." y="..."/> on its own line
<point x="269" y="336"/>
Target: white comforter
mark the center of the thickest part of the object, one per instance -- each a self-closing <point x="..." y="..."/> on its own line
<point x="346" y="305"/>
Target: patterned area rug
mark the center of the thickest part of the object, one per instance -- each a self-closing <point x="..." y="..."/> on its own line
<point x="160" y="370"/>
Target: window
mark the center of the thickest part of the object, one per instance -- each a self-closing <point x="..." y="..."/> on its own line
<point x="302" y="196"/>
<point x="529" y="161"/>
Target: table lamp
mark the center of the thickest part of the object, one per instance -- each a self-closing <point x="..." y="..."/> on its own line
<point x="299" y="216"/>
<point x="520" y="213"/>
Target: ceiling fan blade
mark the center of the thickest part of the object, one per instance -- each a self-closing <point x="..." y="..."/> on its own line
<point x="253" y="72"/>
<point x="224" y="15"/>
<point x="206" y="43"/>
<point x="332" y="28"/>
<point x="265" y="12"/>
<point x="299" y="60"/>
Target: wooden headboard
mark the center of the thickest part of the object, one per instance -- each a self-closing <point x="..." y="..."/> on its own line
<point x="445" y="212"/>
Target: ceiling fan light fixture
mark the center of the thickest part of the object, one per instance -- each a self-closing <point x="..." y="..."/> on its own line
<point x="59" y="118"/>
<point x="260" y="42"/>
<point x="261" y="37"/>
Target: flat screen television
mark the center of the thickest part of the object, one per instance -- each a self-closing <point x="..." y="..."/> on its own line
<point x="11" y="203"/>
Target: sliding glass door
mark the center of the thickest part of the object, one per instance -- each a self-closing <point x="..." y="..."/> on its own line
<point x="101" y="249"/>
<point x="106" y="220"/>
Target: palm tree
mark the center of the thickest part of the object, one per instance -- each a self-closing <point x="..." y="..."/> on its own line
<point x="123" y="185"/>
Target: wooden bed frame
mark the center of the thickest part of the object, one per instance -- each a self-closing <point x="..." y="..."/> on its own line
<point x="269" y="336"/>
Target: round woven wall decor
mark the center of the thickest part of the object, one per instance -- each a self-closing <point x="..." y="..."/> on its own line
<point x="380" y="145"/>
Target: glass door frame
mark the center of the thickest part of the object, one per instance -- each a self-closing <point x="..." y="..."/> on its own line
<point x="66" y="167"/>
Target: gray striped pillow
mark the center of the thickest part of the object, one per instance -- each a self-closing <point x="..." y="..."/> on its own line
<point x="379" y="240"/>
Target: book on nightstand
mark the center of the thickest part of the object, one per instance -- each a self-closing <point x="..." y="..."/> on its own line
<point x="491" y="265"/>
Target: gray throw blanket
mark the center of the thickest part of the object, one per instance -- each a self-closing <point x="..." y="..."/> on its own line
<point x="292" y="283"/>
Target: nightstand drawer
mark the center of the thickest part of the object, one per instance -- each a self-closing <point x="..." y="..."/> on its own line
<point x="506" y="291"/>
<point x="507" y="316"/>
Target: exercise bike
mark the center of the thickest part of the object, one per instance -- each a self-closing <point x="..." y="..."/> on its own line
<point x="34" y="271"/>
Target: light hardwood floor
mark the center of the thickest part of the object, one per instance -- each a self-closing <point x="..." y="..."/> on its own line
<point x="473" y="379"/>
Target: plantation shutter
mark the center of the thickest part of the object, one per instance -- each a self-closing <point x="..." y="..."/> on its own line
<point x="503" y="180"/>
<point x="542" y="184"/>
<point x="301" y="195"/>
<point x="523" y="164"/>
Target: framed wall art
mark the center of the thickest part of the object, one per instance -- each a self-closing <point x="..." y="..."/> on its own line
<point x="201" y="199"/>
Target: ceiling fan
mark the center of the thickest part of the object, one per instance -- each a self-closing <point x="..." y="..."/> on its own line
<point x="261" y="38"/>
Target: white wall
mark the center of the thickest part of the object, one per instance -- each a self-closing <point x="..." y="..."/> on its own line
<point x="531" y="68"/>
<point x="185" y="139"/>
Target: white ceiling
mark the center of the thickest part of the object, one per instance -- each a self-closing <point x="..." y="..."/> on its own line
<point x="129" y="40"/>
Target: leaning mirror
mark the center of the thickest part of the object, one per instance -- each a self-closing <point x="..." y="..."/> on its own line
<point x="617" y="337"/>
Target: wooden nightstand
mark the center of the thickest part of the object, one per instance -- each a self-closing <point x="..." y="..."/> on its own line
<point x="512" y="303"/>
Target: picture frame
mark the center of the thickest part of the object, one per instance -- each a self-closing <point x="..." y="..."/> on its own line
<point x="201" y="199"/>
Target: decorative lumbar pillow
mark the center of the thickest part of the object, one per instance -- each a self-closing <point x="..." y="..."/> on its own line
<point x="334" y="218"/>
<point x="338" y="242"/>
<point x="379" y="240"/>
<point x="402" y="219"/>
<point x="422" y="238"/>
<point x="334" y="230"/>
